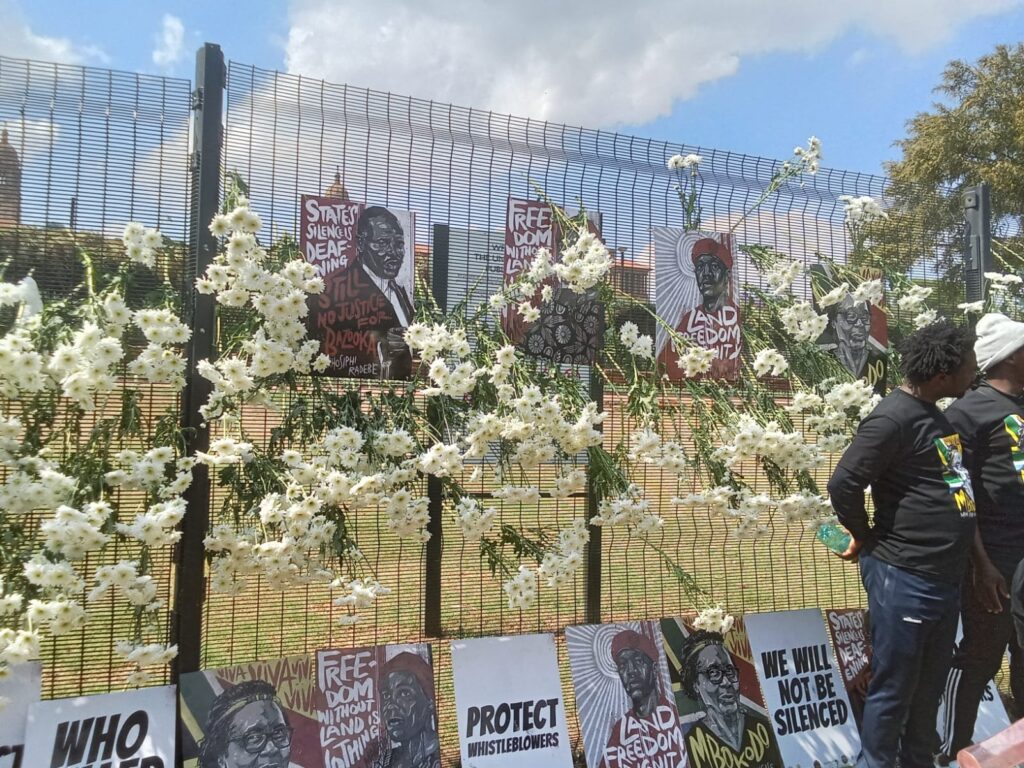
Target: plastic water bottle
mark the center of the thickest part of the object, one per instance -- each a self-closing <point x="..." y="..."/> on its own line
<point x="834" y="537"/>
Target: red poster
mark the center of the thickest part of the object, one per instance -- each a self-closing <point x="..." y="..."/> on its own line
<point x="365" y="255"/>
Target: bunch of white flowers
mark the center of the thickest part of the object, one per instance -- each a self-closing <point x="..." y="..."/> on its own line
<point x="805" y="159"/>
<point x="630" y="510"/>
<point x="584" y="264"/>
<point x="473" y="520"/>
<point x="862" y="210"/>
<point x="852" y="395"/>
<point x="802" y="322"/>
<point x="834" y="296"/>
<point x="360" y="595"/>
<point x="781" y="276"/>
<point x="521" y="589"/>
<point x="144" y="656"/>
<point x="925" y="318"/>
<point x="647" y="447"/>
<point x="637" y="344"/>
<point x="714" y="619"/>
<point x="770" y="361"/>
<point x="913" y="300"/>
<point x="141" y="243"/>
<point x="679" y="162"/>
<point x="870" y="291"/>
<point x="696" y="361"/>
<point x="559" y="565"/>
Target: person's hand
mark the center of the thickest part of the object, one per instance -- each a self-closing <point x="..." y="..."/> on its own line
<point x="852" y="552"/>
<point x="989" y="587"/>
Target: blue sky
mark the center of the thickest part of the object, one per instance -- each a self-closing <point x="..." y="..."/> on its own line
<point x="852" y="80"/>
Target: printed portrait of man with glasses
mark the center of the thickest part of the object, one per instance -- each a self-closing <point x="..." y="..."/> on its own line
<point x="247" y="728"/>
<point x="728" y="732"/>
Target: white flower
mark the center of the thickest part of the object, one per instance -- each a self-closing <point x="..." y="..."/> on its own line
<point x="972" y="307"/>
<point x="714" y="619"/>
<point x="521" y="589"/>
<point x="927" y="317"/>
<point x="869" y="290"/>
<point x="834" y="296"/>
<point x="677" y="162"/>
<point x="770" y="361"/>
<point x="635" y="343"/>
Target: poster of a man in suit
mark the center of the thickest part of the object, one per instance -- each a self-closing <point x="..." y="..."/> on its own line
<point x="365" y="254"/>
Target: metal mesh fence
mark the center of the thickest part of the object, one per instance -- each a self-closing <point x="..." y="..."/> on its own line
<point x="456" y="167"/>
<point x="99" y="148"/>
<point x="95" y="149"/>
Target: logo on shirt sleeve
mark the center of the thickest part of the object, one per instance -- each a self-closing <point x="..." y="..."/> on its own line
<point x="1015" y="429"/>
<point x="951" y="454"/>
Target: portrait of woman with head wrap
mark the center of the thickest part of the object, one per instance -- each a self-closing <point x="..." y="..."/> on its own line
<point x="729" y="732"/>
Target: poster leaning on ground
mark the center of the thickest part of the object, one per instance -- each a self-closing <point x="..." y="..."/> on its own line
<point x="130" y="729"/>
<point x="628" y="718"/>
<point x="264" y="708"/>
<point x="803" y="687"/>
<point x="19" y="689"/>
<point x="722" y="710"/>
<point x="508" y="701"/>
<point x="376" y="707"/>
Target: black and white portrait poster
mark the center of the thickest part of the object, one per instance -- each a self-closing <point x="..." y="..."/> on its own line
<point x="261" y="713"/>
<point x="366" y="257"/>
<point x="115" y="729"/>
<point x="802" y="684"/>
<point x="570" y="325"/>
<point x="508" y="700"/>
<point x="697" y="293"/>
<point x="376" y="707"/>
<point x="858" y="330"/>
<point x="623" y="696"/>
<point x="19" y="689"/>
<point x="725" y="721"/>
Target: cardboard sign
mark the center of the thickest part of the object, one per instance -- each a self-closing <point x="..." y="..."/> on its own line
<point x="698" y="295"/>
<point x="376" y="707"/>
<point x="120" y="730"/>
<point x="264" y="708"/>
<point x="19" y="690"/>
<point x="628" y="718"/>
<point x="723" y="715"/>
<point x="366" y="256"/>
<point x="508" y="699"/>
<point x="811" y="714"/>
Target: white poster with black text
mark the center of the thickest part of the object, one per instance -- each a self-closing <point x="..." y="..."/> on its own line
<point x="120" y="730"/>
<point x="809" y="706"/>
<point x="508" y="697"/>
<point x="19" y="689"/>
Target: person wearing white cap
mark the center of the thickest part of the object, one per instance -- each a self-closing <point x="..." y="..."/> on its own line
<point x="990" y="420"/>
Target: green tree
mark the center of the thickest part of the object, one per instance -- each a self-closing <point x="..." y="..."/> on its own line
<point x="973" y="134"/>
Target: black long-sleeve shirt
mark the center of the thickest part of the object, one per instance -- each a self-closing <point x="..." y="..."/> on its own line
<point x="912" y="458"/>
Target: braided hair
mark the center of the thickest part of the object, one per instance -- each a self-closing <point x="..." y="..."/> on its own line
<point x="935" y="349"/>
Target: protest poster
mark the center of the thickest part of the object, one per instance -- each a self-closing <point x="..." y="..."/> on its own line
<point x="810" y="710"/>
<point x="723" y="715"/>
<point x="570" y="325"/>
<point x="697" y="294"/>
<point x="115" y="730"/>
<point x="508" y="700"/>
<point x="365" y="255"/>
<point x="851" y="639"/>
<point x="263" y="708"/>
<point x="858" y="330"/>
<point x="376" y="707"/>
<point x="476" y="264"/>
<point x="19" y="689"/>
<point x="623" y="696"/>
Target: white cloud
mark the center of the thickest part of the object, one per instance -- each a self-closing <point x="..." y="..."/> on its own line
<point x="601" y="63"/>
<point x="170" y="42"/>
<point x="17" y="40"/>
